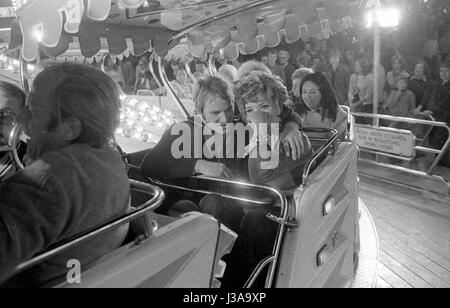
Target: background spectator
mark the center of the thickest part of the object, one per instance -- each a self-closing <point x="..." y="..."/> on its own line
<point x="274" y="67"/>
<point x="339" y="75"/>
<point x="113" y="70"/>
<point x="289" y="69"/>
<point x="398" y="70"/>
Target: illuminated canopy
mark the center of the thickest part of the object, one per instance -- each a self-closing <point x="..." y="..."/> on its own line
<point x="135" y="26"/>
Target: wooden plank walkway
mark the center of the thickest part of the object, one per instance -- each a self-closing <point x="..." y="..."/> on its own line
<point x="414" y="235"/>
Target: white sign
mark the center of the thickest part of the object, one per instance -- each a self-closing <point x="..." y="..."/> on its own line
<point x="386" y="140"/>
<point x="6" y="12"/>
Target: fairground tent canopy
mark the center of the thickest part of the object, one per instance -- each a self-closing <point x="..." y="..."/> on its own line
<point x="136" y="26"/>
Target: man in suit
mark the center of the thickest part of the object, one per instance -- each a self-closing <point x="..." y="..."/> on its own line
<point x="289" y="69"/>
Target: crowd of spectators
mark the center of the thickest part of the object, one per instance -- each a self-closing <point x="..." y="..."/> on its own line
<point x="417" y="88"/>
<point x="414" y="88"/>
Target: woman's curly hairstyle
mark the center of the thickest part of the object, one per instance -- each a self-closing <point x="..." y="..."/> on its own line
<point x="329" y="103"/>
<point x="258" y="84"/>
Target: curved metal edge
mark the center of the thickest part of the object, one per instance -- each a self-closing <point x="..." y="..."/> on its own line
<point x="330" y="143"/>
<point x="205" y="22"/>
<point x="170" y="89"/>
<point x="150" y="205"/>
<point x="281" y="230"/>
<point x="152" y="70"/>
<point x="373" y="228"/>
<point x="23" y="73"/>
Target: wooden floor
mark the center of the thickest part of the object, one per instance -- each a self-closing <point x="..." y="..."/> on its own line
<point x="414" y="235"/>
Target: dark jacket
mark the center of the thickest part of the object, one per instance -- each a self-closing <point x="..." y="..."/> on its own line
<point x="67" y="192"/>
<point x="289" y="70"/>
<point x="437" y="99"/>
<point x="160" y="163"/>
<point x="340" y="81"/>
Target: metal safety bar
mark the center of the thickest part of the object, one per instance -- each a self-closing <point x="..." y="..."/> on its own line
<point x="152" y="70"/>
<point x="329" y="145"/>
<point x="440" y="153"/>
<point x="170" y="89"/>
<point x="283" y="219"/>
<point x="150" y="205"/>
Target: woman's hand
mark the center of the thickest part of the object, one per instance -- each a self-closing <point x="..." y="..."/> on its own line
<point x="293" y="142"/>
<point x="212" y="169"/>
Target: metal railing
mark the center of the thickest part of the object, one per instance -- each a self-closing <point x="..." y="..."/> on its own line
<point x="283" y="220"/>
<point x="439" y="152"/>
<point x="157" y="197"/>
<point x="170" y="89"/>
<point x="329" y="146"/>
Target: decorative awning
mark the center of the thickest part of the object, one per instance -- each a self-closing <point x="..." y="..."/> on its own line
<point x="136" y="26"/>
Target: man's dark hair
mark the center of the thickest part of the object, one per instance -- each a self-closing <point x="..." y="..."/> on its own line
<point x="85" y="93"/>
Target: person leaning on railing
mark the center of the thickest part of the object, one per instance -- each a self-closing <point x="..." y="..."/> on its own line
<point x="436" y="102"/>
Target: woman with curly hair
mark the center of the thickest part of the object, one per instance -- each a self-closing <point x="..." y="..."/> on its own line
<point x="323" y="109"/>
<point x="260" y="98"/>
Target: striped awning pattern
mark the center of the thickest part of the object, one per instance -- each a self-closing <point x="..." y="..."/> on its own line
<point x="136" y="26"/>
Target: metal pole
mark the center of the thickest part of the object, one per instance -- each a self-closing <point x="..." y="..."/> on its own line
<point x="376" y="66"/>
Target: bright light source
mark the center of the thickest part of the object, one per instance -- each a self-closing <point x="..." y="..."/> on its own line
<point x="38" y="34"/>
<point x="386" y="17"/>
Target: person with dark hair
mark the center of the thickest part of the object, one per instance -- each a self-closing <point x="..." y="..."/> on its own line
<point x="113" y="70"/>
<point x="419" y="82"/>
<point x="283" y="58"/>
<point x="401" y="102"/>
<point x="398" y="63"/>
<point x="77" y="180"/>
<point x="274" y="67"/>
<point x="436" y="102"/>
<point x="339" y="75"/>
<point x="304" y="60"/>
<point x="12" y="102"/>
<point x="323" y="109"/>
<point x="296" y="93"/>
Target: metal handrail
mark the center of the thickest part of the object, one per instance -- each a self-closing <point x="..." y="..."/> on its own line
<point x="350" y="122"/>
<point x="283" y="220"/>
<point x="330" y="143"/>
<point x="170" y="89"/>
<point x="152" y="70"/>
<point x="150" y="205"/>
<point x="416" y="121"/>
<point x="23" y="74"/>
<point x="187" y="67"/>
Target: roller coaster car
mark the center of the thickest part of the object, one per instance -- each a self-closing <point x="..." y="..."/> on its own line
<point x="317" y="243"/>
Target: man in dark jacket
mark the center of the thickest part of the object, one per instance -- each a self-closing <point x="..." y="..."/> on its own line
<point x="339" y="75"/>
<point x="284" y="57"/>
<point x="437" y="102"/>
<point x="76" y="181"/>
